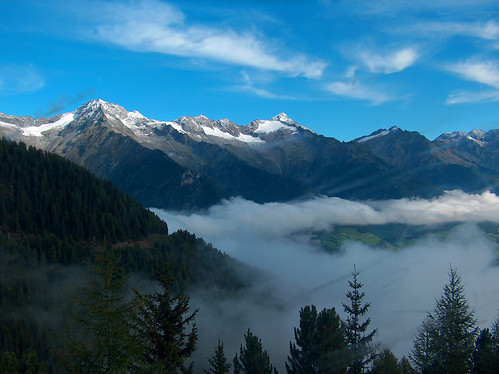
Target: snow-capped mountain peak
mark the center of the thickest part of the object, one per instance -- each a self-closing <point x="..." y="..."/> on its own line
<point x="378" y="133"/>
<point x="451" y="137"/>
<point x="477" y="135"/>
<point x="280" y="122"/>
<point x="283" y="117"/>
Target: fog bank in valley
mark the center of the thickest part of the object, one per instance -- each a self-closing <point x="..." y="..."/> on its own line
<point x="401" y="285"/>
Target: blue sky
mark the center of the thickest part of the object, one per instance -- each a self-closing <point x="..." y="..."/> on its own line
<point x="342" y="68"/>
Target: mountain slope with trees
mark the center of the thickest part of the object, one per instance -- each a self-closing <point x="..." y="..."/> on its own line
<point x="54" y="217"/>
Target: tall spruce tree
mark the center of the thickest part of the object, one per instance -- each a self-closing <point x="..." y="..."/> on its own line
<point x="303" y="357"/>
<point x="495" y="342"/>
<point x="359" y="340"/>
<point x="253" y="359"/>
<point x="423" y="354"/>
<point x="449" y="333"/>
<point x="386" y="363"/>
<point x="104" y="315"/>
<point x="406" y="367"/>
<point x="484" y="360"/>
<point x="320" y="343"/>
<point x="218" y="361"/>
<point x="161" y="321"/>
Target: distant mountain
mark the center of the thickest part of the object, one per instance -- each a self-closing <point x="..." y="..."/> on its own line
<point x="446" y="163"/>
<point x="193" y="162"/>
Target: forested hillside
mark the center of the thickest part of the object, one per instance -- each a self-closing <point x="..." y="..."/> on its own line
<point x="54" y="216"/>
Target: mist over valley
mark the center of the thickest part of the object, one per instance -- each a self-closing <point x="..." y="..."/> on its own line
<point x="400" y="283"/>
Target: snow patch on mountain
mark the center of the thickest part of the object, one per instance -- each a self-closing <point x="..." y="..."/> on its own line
<point x="283" y="117"/>
<point x="221" y="134"/>
<point x="132" y="119"/>
<point x="477" y="135"/>
<point x="266" y="127"/>
<point x="451" y="137"/>
<point x="175" y="125"/>
<point x="366" y="138"/>
<point x="11" y="125"/>
<point x="378" y="134"/>
<point x="39" y="130"/>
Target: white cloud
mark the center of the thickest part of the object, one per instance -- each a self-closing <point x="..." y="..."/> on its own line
<point x="323" y="212"/>
<point x="355" y="90"/>
<point x="249" y="86"/>
<point x="394" y="8"/>
<point x="387" y="63"/>
<point x="464" y="97"/>
<point x="484" y="72"/>
<point x="20" y="78"/>
<point x="401" y="285"/>
<point x="484" y="30"/>
<point x="152" y="26"/>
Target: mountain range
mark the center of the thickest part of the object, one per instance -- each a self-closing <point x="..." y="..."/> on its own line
<point x="194" y="162"/>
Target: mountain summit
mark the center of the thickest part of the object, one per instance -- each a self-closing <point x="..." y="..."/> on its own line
<point x="195" y="161"/>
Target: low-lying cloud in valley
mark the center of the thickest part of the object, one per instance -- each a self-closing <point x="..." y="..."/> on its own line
<point x="401" y="285"/>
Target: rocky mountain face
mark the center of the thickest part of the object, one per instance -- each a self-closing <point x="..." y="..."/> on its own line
<point x="193" y="162"/>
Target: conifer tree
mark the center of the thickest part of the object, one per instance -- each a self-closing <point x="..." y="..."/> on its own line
<point x="456" y="327"/>
<point x="484" y="360"/>
<point x="218" y="361"/>
<point x="109" y="347"/>
<point x="495" y="342"/>
<point x="160" y="321"/>
<point x="303" y="357"/>
<point x="359" y="340"/>
<point x="386" y="363"/>
<point x="406" y="367"/>
<point x="445" y="343"/>
<point x="320" y="343"/>
<point x="423" y="354"/>
<point x="253" y="359"/>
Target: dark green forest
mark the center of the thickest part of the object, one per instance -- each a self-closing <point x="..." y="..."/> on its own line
<point x="54" y="217"/>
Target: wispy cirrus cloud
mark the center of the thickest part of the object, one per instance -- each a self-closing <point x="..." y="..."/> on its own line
<point x="372" y="61"/>
<point x="466" y="97"/>
<point x="483" y="72"/>
<point x="387" y="63"/>
<point x="356" y="90"/>
<point x="394" y="8"/>
<point x="484" y="30"/>
<point x="249" y="86"/>
<point x="153" y="26"/>
<point x="20" y="79"/>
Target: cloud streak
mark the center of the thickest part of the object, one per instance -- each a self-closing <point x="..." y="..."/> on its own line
<point x="388" y="63"/>
<point x="465" y="97"/>
<point x="484" y="72"/>
<point x="152" y="26"/>
<point x="321" y="213"/>
<point x="484" y="30"/>
<point x="249" y="86"/>
<point x="355" y="90"/>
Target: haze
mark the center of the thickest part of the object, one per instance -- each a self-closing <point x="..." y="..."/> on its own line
<point x="401" y="285"/>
